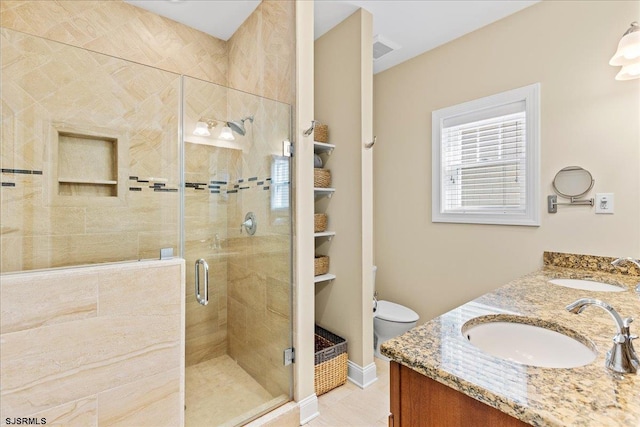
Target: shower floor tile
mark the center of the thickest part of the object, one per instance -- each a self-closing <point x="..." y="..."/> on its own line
<point x="219" y="392"/>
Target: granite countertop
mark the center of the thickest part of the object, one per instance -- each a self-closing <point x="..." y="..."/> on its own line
<point x="590" y="395"/>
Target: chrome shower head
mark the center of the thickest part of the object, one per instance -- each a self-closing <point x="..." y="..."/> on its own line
<point x="238" y="126"/>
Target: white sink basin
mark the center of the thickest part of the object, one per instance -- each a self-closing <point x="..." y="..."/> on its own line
<point x="528" y="344"/>
<point x="587" y="285"/>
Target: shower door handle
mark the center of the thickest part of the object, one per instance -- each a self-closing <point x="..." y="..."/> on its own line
<point x="204" y="298"/>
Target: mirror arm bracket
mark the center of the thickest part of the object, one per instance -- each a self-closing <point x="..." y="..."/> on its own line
<point x="552" y="202"/>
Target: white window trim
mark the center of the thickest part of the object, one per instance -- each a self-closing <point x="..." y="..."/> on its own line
<point x="531" y="217"/>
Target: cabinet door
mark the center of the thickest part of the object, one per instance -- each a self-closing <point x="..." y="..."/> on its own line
<point x="418" y="401"/>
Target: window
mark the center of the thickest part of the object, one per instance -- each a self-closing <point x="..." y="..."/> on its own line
<point x="486" y="160"/>
<point x="280" y="183"/>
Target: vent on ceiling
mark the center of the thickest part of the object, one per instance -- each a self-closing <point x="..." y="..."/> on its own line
<point x="383" y="46"/>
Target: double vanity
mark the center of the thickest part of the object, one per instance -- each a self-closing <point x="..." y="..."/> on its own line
<point x="532" y="352"/>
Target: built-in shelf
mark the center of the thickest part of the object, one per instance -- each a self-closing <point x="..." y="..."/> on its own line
<point x="328" y="234"/>
<point x="323" y="192"/>
<point x="87" y="181"/>
<point x="324" y="278"/>
<point x="323" y="147"/>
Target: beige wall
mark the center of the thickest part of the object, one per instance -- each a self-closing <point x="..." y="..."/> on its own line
<point x="91" y="346"/>
<point x="587" y="119"/>
<point x="343" y="73"/>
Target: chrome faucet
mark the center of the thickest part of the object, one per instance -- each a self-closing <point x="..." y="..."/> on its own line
<point x="622" y="357"/>
<point x="623" y="260"/>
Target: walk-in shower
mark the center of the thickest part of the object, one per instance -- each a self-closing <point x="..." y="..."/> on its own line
<point x="234" y="224"/>
<point x="100" y="164"/>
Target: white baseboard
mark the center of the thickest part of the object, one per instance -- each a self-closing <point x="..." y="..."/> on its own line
<point x="308" y="408"/>
<point x="362" y="377"/>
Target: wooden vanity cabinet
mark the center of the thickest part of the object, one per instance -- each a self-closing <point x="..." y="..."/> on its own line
<point x="417" y="401"/>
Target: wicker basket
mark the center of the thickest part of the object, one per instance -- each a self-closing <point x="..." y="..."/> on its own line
<point x="321" y="265"/>
<point x="321" y="178"/>
<point x="321" y="133"/>
<point x="319" y="222"/>
<point x="330" y="361"/>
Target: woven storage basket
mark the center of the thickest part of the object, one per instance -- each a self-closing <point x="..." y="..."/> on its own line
<point x="321" y="265"/>
<point x="321" y="133"/>
<point x="330" y="361"/>
<point x="319" y="222"/>
<point x="321" y="178"/>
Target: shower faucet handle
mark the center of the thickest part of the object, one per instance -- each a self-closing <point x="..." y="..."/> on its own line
<point x="250" y="223"/>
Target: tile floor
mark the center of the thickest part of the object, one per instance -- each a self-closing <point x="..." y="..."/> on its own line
<point x="351" y="406"/>
<point x="219" y="389"/>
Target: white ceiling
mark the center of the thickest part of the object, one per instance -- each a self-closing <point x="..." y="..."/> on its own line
<point x="416" y="25"/>
<point x="219" y="18"/>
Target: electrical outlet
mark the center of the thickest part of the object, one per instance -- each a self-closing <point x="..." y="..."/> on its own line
<point x="604" y="203"/>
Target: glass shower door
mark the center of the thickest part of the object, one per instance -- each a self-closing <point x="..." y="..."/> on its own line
<point x="237" y="220"/>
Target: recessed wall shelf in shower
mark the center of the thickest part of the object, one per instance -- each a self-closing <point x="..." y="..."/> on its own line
<point x="87" y="181"/>
<point x="87" y="165"/>
<point x="324" y="278"/>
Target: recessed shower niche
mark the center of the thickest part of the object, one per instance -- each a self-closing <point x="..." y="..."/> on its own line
<point x="87" y="164"/>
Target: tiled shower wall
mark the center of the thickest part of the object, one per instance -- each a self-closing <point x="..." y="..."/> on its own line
<point x="118" y="29"/>
<point x="261" y="62"/>
<point x="258" y="58"/>
<point x="48" y="85"/>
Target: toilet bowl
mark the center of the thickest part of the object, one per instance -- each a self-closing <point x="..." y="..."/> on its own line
<point x="389" y="321"/>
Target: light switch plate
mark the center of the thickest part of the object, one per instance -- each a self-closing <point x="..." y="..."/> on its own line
<point x="604" y="203"/>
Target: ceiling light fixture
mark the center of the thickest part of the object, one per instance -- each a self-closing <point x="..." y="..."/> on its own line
<point x="628" y="54"/>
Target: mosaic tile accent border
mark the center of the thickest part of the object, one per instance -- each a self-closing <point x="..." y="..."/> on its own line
<point x="157" y="184"/>
<point x="12" y="176"/>
<point x="588" y="262"/>
<point x="213" y="186"/>
<point x="231" y="187"/>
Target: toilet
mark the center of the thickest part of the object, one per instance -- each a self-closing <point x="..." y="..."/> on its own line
<point x="389" y="321"/>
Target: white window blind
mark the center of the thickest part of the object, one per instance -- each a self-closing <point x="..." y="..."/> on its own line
<point x="280" y="183"/>
<point x="486" y="160"/>
<point x="484" y="164"/>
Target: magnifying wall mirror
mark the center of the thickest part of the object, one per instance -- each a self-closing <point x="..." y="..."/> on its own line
<point x="571" y="183"/>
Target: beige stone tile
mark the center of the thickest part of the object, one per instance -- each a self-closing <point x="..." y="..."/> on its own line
<point x="219" y="390"/>
<point x="287" y="415"/>
<point x="66" y="300"/>
<point x="80" y="413"/>
<point x="279" y="297"/>
<point x="157" y="288"/>
<point x="150" y="242"/>
<point x="247" y="287"/>
<point x="339" y="393"/>
<point x="79" y="249"/>
<point x="349" y="405"/>
<point x="153" y="401"/>
<point x="205" y="347"/>
<point x="12" y="255"/>
<point x="77" y="359"/>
